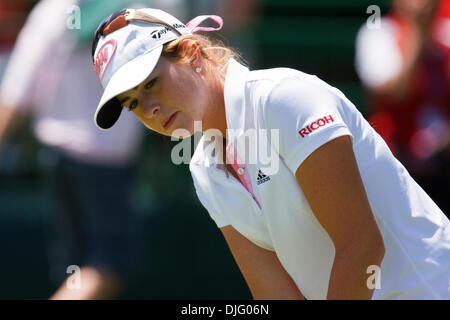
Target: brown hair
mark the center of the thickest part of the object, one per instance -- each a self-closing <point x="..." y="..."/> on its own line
<point x="213" y="50"/>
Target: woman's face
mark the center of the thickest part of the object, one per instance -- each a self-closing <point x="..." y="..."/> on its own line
<point x="172" y="97"/>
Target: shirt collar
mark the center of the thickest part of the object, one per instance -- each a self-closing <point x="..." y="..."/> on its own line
<point x="234" y="95"/>
<point x="234" y="98"/>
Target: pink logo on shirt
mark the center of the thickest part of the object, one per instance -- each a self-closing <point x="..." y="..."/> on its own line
<point x="104" y="57"/>
<point x="315" y="125"/>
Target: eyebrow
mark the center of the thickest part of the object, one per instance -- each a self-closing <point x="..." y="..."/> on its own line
<point x="124" y="100"/>
<point x="128" y="98"/>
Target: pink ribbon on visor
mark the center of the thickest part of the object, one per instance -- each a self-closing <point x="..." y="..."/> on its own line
<point x="193" y="25"/>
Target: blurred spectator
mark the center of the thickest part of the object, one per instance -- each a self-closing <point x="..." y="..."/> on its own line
<point x="405" y="66"/>
<point x="12" y="17"/>
<point x="50" y="76"/>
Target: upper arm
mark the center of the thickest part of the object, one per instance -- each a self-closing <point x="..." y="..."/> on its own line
<point x="263" y="272"/>
<point x="332" y="185"/>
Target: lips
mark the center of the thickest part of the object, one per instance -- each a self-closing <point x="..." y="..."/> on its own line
<point x="170" y="120"/>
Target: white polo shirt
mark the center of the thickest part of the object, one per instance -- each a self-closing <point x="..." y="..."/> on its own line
<point x="306" y="112"/>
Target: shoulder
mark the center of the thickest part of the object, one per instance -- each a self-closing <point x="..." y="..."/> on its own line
<point x="304" y="112"/>
<point x="262" y="82"/>
<point x="273" y="75"/>
<point x="271" y="87"/>
<point x="284" y="99"/>
<point x="288" y="90"/>
<point x="301" y="90"/>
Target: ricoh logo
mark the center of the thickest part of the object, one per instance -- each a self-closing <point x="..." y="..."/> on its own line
<point x="316" y="125"/>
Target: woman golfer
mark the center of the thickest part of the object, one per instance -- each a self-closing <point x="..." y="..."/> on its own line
<point x="308" y="197"/>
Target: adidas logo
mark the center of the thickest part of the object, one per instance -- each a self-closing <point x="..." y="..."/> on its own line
<point x="262" y="177"/>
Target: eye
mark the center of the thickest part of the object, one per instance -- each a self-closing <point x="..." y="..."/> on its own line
<point x="133" y="105"/>
<point x="150" y="83"/>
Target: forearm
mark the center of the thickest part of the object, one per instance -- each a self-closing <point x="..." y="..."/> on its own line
<point x="8" y="120"/>
<point x="262" y="270"/>
<point x="270" y="281"/>
<point x="349" y="277"/>
<point x="275" y="287"/>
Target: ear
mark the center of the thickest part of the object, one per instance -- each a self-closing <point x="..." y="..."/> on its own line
<point x="197" y="58"/>
<point x="187" y="48"/>
<point x="190" y="51"/>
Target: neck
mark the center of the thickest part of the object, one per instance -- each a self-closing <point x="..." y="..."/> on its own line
<point x="216" y="116"/>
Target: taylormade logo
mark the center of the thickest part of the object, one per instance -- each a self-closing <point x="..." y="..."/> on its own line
<point x="158" y="33"/>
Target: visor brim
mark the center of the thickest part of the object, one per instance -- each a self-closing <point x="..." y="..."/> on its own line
<point x="127" y="77"/>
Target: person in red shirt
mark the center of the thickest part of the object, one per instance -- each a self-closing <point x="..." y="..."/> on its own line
<point x="12" y="17"/>
<point x="405" y="67"/>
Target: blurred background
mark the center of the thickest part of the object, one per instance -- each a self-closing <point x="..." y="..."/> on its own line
<point x="179" y="252"/>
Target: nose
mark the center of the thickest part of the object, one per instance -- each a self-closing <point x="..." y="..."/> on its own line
<point x="150" y="110"/>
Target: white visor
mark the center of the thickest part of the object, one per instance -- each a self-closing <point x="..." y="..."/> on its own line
<point x="126" y="57"/>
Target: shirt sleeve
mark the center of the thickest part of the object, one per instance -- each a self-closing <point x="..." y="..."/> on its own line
<point x="306" y="115"/>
